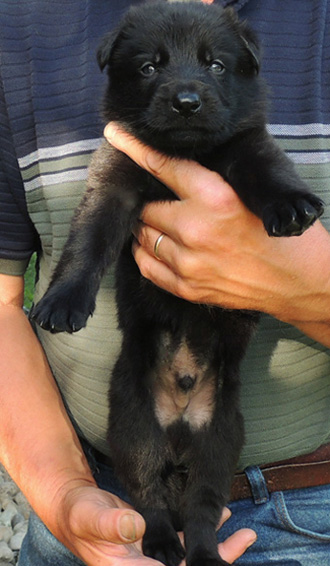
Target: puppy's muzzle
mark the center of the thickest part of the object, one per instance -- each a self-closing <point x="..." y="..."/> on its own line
<point x="186" y="103"/>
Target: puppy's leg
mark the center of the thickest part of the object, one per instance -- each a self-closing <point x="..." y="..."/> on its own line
<point x="140" y="452"/>
<point x="266" y="181"/>
<point x="160" y="540"/>
<point x="214" y="457"/>
<point x="99" y="230"/>
<point x="100" y="227"/>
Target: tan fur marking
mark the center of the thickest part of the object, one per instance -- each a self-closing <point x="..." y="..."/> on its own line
<point x="171" y="403"/>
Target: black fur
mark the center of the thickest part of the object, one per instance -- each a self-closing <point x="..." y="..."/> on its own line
<point x="184" y="78"/>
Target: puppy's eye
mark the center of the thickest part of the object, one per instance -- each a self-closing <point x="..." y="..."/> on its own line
<point x="217" y="67"/>
<point x="148" y="69"/>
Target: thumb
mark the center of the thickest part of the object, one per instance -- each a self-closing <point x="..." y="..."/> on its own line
<point x="181" y="175"/>
<point x="235" y="545"/>
<point x="120" y="526"/>
<point x="99" y="515"/>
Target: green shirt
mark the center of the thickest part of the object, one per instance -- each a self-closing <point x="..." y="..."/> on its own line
<point x="50" y="92"/>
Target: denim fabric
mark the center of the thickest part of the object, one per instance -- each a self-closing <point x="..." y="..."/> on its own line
<point x="293" y="527"/>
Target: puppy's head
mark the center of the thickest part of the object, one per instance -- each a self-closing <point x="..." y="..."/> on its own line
<point x="183" y="77"/>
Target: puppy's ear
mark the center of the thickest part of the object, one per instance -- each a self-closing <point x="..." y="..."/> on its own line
<point x="105" y="49"/>
<point x="112" y="39"/>
<point x="251" y="52"/>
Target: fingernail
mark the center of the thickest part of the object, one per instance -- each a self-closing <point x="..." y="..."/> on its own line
<point x="253" y="540"/>
<point x="110" y="131"/>
<point x="127" y="527"/>
<point x="226" y="514"/>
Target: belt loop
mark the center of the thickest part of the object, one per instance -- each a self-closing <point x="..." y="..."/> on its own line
<point x="258" y="484"/>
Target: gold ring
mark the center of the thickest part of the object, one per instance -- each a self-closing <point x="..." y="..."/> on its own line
<point x="157" y="244"/>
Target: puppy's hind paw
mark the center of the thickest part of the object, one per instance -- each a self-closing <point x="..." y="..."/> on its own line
<point x="204" y="560"/>
<point x="165" y="549"/>
<point x="292" y="215"/>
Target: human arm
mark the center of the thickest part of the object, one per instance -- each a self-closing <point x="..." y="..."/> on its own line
<point x="41" y="451"/>
<point x="215" y="251"/>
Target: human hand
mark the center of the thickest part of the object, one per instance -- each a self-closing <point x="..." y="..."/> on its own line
<point x="216" y="251"/>
<point x="101" y="529"/>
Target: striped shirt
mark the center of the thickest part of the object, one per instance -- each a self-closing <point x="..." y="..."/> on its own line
<point x="50" y="94"/>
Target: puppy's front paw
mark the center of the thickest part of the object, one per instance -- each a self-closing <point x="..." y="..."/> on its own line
<point x="63" y="309"/>
<point x="164" y="547"/>
<point x="203" y="559"/>
<point x="292" y="215"/>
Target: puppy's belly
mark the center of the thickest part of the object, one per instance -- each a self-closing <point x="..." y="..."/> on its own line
<point x="183" y="387"/>
<point x="196" y="409"/>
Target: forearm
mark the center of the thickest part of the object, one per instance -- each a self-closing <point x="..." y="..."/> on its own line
<point x="301" y="279"/>
<point x="38" y="445"/>
<point x="318" y="331"/>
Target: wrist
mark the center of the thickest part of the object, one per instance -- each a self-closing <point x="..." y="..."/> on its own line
<point x="316" y="330"/>
<point x="49" y="479"/>
<point x="304" y="287"/>
<point x="55" y="476"/>
<point x="63" y="520"/>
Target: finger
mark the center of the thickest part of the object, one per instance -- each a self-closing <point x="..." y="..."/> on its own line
<point x="120" y="526"/>
<point x="105" y="523"/>
<point x="150" y="239"/>
<point x="226" y="514"/>
<point x="180" y="175"/>
<point x="157" y="271"/>
<point x="235" y="545"/>
<point x="166" y="217"/>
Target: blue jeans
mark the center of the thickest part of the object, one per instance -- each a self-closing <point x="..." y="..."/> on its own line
<point x="293" y="527"/>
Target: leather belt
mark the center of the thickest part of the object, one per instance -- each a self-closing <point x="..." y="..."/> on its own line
<point x="310" y="470"/>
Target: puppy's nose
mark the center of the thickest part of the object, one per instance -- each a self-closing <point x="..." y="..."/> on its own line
<point x="186" y="103"/>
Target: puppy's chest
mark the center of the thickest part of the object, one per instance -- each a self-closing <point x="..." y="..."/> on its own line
<point x="184" y="388"/>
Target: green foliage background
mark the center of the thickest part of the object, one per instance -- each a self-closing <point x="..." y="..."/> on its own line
<point x="29" y="282"/>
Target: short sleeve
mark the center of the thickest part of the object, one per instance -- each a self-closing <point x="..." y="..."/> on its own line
<point x="18" y="237"/>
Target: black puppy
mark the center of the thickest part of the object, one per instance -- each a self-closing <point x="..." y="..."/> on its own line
<point x="184" y="78"/>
